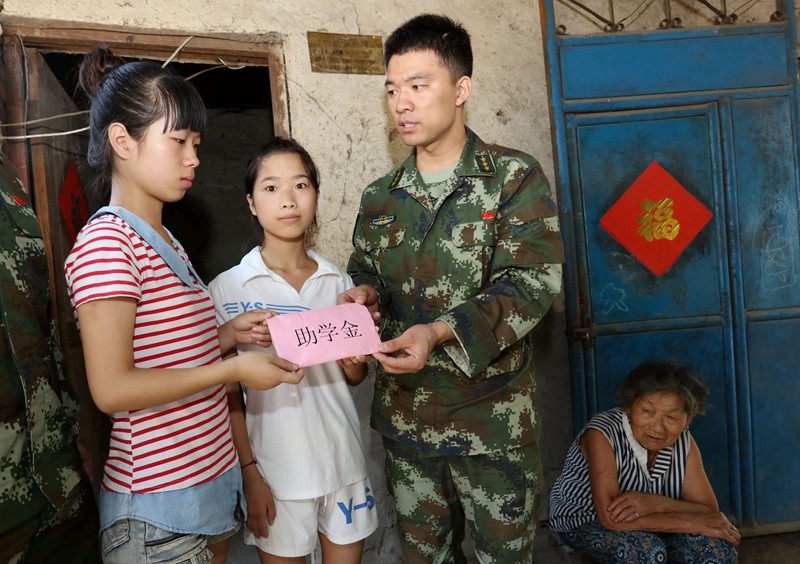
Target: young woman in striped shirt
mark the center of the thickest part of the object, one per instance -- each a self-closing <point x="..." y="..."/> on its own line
<point x="635" y="472"/>
<point x="172" y="482"/>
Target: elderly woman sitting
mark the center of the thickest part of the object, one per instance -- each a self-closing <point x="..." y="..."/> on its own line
<point x="633" y="487"/>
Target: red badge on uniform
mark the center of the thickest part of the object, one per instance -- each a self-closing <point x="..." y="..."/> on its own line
<point x="656" y="219"/>
<point x="487" y="215"/>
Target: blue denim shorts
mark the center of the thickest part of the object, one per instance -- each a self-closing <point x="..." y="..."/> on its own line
<point x="127" y="541"/>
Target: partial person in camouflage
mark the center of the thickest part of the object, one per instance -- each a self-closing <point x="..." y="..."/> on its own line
<point x="459" y="249"/>
<point x="47" y="510"/>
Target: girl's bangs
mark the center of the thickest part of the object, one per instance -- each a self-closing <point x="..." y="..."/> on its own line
<point x="183" y="108"/>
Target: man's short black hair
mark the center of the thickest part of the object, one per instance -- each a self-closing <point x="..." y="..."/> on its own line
<point x="429" y="32"/>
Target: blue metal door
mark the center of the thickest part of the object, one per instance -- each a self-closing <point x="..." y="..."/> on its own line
<point x="723" y="123"/>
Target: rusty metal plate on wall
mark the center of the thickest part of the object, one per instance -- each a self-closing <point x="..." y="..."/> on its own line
<point x="345" y="53"/>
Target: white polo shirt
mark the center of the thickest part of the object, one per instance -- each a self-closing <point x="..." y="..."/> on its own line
<point x="306" y="437"/>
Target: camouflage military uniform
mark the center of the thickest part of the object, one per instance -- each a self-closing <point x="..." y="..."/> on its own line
<point x="47" y="513"/>
<point x="483" y="256"/>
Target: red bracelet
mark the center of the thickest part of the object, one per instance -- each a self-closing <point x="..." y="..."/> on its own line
<point x="249" y="464"/>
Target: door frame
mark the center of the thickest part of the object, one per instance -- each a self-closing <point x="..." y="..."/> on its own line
<point x="20" y="33"/>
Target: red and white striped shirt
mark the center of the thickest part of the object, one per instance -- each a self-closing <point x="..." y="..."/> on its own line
<point x="171" y="446"/>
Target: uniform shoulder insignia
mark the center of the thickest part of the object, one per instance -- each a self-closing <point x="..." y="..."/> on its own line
<point x="485" y="162"/>
<point x="396" y="178"/>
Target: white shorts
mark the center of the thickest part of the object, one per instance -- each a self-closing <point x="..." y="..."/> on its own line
<point x="344" y="517"/>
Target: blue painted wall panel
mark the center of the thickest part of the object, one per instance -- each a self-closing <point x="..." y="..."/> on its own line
<point x="768" y="215"/>
<point x="672" y="66"/>
<point x="774" y="366"/>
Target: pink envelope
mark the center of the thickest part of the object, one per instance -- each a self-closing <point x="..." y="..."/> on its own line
<point x="320" y="335"/>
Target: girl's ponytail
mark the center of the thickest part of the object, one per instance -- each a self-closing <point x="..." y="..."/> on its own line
<point x="95" y="68"/>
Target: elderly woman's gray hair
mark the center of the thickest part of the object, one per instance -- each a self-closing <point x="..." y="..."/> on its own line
<point x="665" y="377"/>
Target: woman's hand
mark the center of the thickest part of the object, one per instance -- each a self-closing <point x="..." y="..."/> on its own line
<point x="246" y="328"/>
<point x="260" y="503"/>
<point x="353" y="361"/>
<point x="264" y="371"/>
<point x="630" y="505"/>
<point x="251" y="327"/>
<point x="717" y="526"/>
<point x="354" y="368"/>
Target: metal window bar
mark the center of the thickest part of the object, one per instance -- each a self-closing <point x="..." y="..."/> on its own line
<point x="721" y="14"/>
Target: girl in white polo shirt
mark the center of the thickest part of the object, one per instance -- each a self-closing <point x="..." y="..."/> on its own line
<point x="305" y="476"/>
<point x="151" y="345"/>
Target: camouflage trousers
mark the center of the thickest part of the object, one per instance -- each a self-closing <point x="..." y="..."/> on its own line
<point x="68" y="534"/>
<point x="496" y="496"/>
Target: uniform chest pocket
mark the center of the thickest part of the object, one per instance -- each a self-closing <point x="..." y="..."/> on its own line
<point x="380" y="239"/>
<point x="28" y="262"/>
<point x="474" y="234"/>
<point x="473" y="248"/>
<point x="15" y="202"/>
<point x="384" y="246"/>
<point x="22" y="219"/>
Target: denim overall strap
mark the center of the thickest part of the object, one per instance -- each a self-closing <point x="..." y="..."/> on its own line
<point x="182" y="269"/>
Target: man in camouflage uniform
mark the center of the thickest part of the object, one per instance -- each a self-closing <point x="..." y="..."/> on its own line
<point x="460" y="247"/>
<point x="47" y="511"/>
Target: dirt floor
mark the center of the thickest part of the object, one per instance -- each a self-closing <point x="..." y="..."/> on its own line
<point x="771" y="549"/>
<point x="767" y="549"/>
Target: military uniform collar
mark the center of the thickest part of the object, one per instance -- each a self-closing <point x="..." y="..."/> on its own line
<point x="476" y="160"/>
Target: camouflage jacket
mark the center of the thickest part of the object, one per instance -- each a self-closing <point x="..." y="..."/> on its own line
<point x="484" y="257"/>
<point x="39" y="463"/>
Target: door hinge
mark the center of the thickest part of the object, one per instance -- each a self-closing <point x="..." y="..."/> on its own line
<point x="585" y="335"/>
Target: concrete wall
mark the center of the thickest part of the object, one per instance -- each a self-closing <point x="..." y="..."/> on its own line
<point x="342" y="121"/>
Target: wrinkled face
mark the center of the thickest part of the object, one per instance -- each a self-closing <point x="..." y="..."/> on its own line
<point x="657" y="420"/>
<point x="283" y="198"/>
<point x="423" y="99"/>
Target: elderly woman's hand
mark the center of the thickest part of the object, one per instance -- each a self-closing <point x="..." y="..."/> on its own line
<point x="629" y="506"/>
<point x="716" y="525"/>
